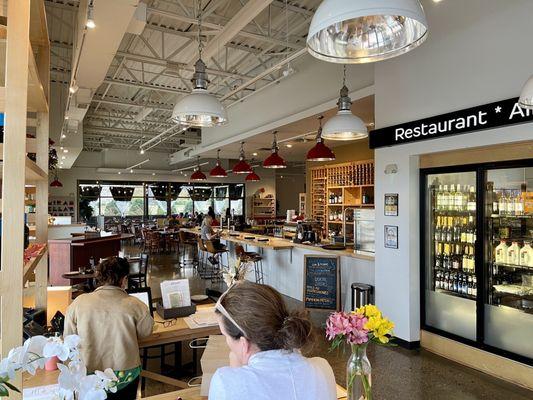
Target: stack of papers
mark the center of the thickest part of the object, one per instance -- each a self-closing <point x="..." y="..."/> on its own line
<point x="202" y="318"/>
<point x="176" y="293"/>
<point x="48" y="392"/>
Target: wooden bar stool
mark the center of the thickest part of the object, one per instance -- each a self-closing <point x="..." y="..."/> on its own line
<point x="214" y="252"/>
<point x="252" y="257"/>
<point x="188" y="245"/>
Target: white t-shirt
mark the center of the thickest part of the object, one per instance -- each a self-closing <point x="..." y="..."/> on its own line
<point x="275" y="375"/>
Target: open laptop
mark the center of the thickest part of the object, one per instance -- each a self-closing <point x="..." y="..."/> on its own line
<point x="143" y="294"/>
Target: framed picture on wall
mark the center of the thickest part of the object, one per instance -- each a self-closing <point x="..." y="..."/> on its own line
<point x="391" y="204"/>
<point x="391" y="236"/>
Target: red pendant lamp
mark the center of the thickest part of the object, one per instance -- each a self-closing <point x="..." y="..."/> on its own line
<point x="320" y="152"/>
<point x="218" y="171"/>
<point x="274" y="160"/>
<point x="56" y="182"/>
<point x="252" y="177"/>
<point x="198" y="175"/>
<point x="242" y="167"/>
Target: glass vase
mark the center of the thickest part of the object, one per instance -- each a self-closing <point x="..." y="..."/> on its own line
<point x="359" y="374"/>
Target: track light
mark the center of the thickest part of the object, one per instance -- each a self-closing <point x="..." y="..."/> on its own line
<point x="73" y="88"/>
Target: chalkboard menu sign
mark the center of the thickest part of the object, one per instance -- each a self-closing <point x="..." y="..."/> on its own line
<point x="322" y="282"/>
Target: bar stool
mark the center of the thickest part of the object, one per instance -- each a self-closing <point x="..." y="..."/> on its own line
<point x="202" y="256"/>
<point x="252" y="257"/>
<point x="188" y="245"/>
<point x="213" y="251"/>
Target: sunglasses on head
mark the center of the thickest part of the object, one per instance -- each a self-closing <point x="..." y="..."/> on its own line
<point x="219" y="307"/>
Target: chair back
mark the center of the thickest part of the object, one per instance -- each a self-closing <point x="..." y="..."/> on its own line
<point x="143" y="264"/>
<point x="201" y="245"/>
<point x="210" y="247"/>
<point x="239" y="251"/>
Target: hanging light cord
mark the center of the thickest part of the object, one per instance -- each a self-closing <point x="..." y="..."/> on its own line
<point x="344" y="75"/>
<point x="200" y="45"/>
<point x="319" y="133"/>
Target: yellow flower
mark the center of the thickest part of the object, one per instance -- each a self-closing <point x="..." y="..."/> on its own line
<point x="379" y="327"/>
<point x="369" y="311"/>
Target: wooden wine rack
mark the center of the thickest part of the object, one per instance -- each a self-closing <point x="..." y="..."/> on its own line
<point x="353" y="181"/>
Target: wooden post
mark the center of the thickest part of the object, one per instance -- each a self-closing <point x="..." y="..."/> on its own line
<point x="41" y="210"/>
<point x="13" y="177"/>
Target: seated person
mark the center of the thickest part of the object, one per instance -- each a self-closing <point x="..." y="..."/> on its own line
<point x="110" y="323"/>
<point x="207" y="233"/>
<point x="264" y="341"/>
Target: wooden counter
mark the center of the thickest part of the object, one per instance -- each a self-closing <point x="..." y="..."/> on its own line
<point x="71" y="254"/>
<point x="275" y="243"/>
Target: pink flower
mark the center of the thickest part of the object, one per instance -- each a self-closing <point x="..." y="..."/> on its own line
<point x="337" y="324"/>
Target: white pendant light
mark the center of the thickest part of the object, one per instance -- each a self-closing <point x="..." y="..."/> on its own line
<point x="344" y="125"/>
<point x="362" y="31"/>
<point x="200" y="108"/>
<point x="526" y="97"/>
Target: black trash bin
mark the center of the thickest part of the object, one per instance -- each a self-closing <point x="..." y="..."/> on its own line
<point x="361" y="295"/>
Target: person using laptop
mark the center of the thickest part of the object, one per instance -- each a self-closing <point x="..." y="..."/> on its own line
<point x="265" y="342"/>
<point x="110" y="323"/>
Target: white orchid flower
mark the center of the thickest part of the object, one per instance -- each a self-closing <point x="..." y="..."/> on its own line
<point x="8" y="368"/>
<point x="108" y="379"/>
<point x="92" y="387"/>
<point x="33" y="358"/>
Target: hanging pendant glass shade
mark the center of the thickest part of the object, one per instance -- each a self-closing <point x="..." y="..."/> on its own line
<point x="362" y="31"/>
<point x="56" y="183"/>
<point x="198" y="175"/>
<point x="320" y="152"/>
<point x="252" y="177"/>
<point x="344" y="125"/>
<point x="242" y="167"/>
<point x="274" y="160"/>
<point x="526" y="97"/>
<point x="218" y="171"/>
<point x="200" y="108"/>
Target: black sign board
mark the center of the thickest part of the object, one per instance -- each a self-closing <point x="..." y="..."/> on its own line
<point x="322" y="282"/>
<point x="488" y="116"/>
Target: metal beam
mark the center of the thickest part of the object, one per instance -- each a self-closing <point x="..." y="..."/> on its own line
<point x="210" y="25"/>
<point x="161" y="88"/>
<point x="124" y="102"/>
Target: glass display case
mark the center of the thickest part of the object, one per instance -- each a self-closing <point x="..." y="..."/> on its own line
<point x="477" y="255"/>
<point x="450" y="237"/>
<point x="509" y="259"/>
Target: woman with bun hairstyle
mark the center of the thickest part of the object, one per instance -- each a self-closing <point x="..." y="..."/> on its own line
<point x="265" y="342"/>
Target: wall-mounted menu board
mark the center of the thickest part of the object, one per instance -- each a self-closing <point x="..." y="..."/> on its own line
<point x="322" y="282"/>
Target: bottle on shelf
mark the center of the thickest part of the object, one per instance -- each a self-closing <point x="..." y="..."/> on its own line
<point x="474" y="286"/>
<point x="438" y="198"/>
<point x="501" y="252"/>
<point x="471" y="202"/>
<point x="513" y="253"/>
<point x="526" y="255"/>
<point x="502" y="204"/>
<point x="518" y="204"/>
<point x="445" y="198"/>
<point x="458" y="199"/>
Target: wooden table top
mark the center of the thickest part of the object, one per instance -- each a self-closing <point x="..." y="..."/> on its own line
<point x="91" y="275"/>
<point x="177" y="332"/>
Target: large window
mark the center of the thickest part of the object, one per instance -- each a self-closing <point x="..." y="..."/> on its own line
<point x="138" y="199"/>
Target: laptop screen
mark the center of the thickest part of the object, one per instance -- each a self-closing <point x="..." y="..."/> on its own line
<point x="144" y="297"/>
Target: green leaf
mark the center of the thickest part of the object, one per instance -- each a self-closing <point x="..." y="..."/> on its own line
<point x="3" y="391"/>
<point x="9" y="385"/>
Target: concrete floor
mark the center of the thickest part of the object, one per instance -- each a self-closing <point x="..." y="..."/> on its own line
<point x="397" y="373"/>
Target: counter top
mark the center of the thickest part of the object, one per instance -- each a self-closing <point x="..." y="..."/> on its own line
<point x="275" y="243"/>
<point x="91" y="238"/>
<point x="64" y="225"/>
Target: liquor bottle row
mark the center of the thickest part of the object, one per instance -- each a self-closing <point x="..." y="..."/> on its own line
<point x="335" y="198"/>
<point x="353" y="175"/>
<point x="455" y="198"/>
<point x="456" y="257"/>
<point x="337" y="216"/>
<point x="508" y="203"/>
<point x="455" y="229"/>
<point x="514" y="254"/>
<point x="456" y="282"/>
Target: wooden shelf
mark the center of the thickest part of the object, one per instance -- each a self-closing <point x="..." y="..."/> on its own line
<point x="33" y="172"/>
<point x="29" y="267"/>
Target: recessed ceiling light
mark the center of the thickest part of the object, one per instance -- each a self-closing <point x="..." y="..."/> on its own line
<point x="131" y="171"/>
<point x="63" y="136"/>
<point x="65" y="150"/>
<point x="254" y="154"/>
<point x="288" y="145"/>
<point x="153" y="173"/>
<point x="119" y="172"/>
<point x="61" y="148"/>
<point x="63" y="157"/>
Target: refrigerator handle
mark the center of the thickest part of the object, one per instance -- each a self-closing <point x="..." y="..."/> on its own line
<point x="355" y="235"/>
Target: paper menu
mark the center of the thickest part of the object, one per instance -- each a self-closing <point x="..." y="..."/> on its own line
<point x="48" y="392"/>
<point x="176" y="293"/>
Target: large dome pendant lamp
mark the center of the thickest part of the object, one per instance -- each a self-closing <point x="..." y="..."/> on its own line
<point x="363" y="31"/>
<point x="200" y="108"/>
<point x="274" y="161"/>
<point x="198" y="175"/>
<point x="344" y="125"/>
<point x="56" y="182"/>
<point x="320" y="152"/>
<point x="526" y="97"/>
<point x="242" y="167"/>
<point x="218" y="171"/>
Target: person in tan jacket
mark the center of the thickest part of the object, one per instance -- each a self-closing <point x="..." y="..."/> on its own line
<point x="110" y="323"/>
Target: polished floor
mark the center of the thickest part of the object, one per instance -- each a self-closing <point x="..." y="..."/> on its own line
<point x="397" y="373"/>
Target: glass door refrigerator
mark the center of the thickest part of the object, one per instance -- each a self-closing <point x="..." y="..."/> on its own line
<point x="477" y="255"/>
